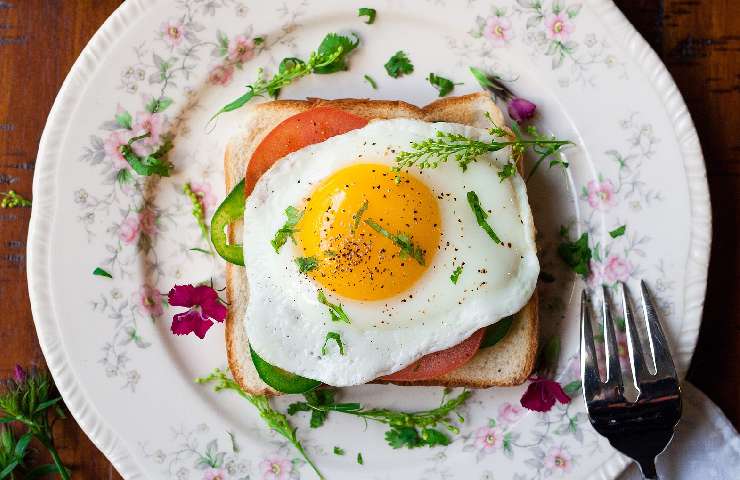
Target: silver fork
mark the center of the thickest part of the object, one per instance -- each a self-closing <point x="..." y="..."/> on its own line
<point x="641" y="429"/>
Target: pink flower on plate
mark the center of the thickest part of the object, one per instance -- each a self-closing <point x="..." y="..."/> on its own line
<point x="128" y="230"/>
<point x="509" y="413"/>
<point x="275" y="468"/>
<point x="489" y="438"/>
<point x="622" y="353"/>
<point x="148" y="221"/>
<point x="221" y="75"/>
<point x="203" y="306"/>
<point x="242" y="50"/>
<point x="173" y="32"/>
<point x="601" y="194"/>
<point x="542" y="393"/>
<point x="596" y="275"/>
<point x="616" y="269"/>
<point x="204" y="191"/>
<point x="112" y="148"/>
<point x="497" y="30"/>
<point x="215" y="474"/>
<point x="559" y="460"/>
<point x="151" y="123"/>
<point x="558" y="27"/>
<point x="151" y="300"/>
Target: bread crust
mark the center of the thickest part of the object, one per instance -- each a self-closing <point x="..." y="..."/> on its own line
<point x="508" y="363"/>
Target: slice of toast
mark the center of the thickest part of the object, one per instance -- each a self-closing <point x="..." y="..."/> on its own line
<point x="507" y="363"/>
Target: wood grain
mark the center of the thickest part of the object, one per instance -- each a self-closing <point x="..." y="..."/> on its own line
<point x="698" y="40"/>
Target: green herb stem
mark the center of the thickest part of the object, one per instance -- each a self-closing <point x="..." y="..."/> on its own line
<point x="196" y="200"/>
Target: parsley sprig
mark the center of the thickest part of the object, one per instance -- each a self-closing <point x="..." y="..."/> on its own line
<point x="399" y="65"/>
<point x="401" y="240"/>
<point x="274" y="419"/>
<point x="407" y="429"/>
<point x="432" y="152"/>
<point x="330" y="57"/>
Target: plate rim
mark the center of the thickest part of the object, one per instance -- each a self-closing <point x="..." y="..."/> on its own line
<point x="44" y="193"/>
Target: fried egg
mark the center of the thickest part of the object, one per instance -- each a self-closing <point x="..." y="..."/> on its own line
<point x="381" y="251"/>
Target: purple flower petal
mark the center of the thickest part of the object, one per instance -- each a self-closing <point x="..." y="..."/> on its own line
<point x="541" y="395"/>
<point x="214" y="309"/>
<point x="19" y="374"/>
<point x="182" y="296"/>
<point x="191" y="321"/>
<point x="521" y="109"/>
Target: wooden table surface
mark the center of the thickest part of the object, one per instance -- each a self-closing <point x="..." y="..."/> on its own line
<point x="698" y="40"/>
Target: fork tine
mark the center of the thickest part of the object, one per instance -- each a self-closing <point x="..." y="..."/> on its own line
<point x="589" y="367"/>
<point x="658" y="344"/>
<point x="634" y="347"/>
<point x="613" y="369"/>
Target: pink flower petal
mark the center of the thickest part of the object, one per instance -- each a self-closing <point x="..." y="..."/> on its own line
<point x="182" y="296"/>
<point x="541" y="395"/>
<point x="191" y="321"/>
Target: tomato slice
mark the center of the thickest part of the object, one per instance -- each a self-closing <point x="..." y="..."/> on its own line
<point x="300" y="130"/>
<point x="439" y="363"/>
<point x="315" y="126"/>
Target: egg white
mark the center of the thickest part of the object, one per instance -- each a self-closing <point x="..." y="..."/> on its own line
<point x="287" y="325"/>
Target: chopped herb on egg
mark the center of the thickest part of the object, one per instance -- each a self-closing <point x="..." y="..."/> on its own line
<point x="401" y="240"/>
<point x="335" y="310"/>
<point x="359" y="459"/>
<point x="306" y="264"/>
<point x="358" y="216"/>
<point x="330" y="253"/>
<point x="288" y="229"/>
<point x="333" y="336"/>
<point x="338" y="451"/>
<point x="456" y="274"/>
<point x="481" y="215"/>
<point x="507" y="171"/>
<point x="367" y="12"/>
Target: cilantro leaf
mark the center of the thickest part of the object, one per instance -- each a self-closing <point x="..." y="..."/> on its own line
<point x="315" y="399"/>
<point x="367" y="12"/>
<point x="331" y="44"/>
<point x="399" y="65"/>
<point x="338" y="451"/>
<point x="432" y="437"/>
<point x="398" y="437"/>
<point x="288" y="229"/>
<point x="335" y="310"/>
<point x="306" y="264"/>
<point x="481" y="215"/>
<point x="401" y="240"/>
<point x="337" y="338"/>
<point x="444" y="85"/>
<point x="618" y="232"/>
<point x="577" y="255"/>
<point x="101" y="273"/>
<point x="152" y="164"/>
<point x="372" y="82"/>
<point x="456" y="274"/>
<point x="358" y="216"/>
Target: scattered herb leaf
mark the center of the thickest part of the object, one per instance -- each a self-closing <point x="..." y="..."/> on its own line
<point x="335" y="310"/>
<point x="337" y="338"/>
<point x="358" y="216"/>
<point x="444" y="85"/>
<point x="456" y="274"/>
<point x="274" y="419"/>
<point x="306" y="264"/>
<point x="618" y="232"/>
<point x="288" y="229"/>
<point x="481" y="215"/>
<point x="101" y="273"/>
<point x="359" y="459"/>
<point x="369" y="13"/>
<point x="318" y="397"/>
<point x="372" y="82"/>
<point x="577" y="255"/>
<point x="399" y="65"/>
<point x="401" y="240"/>
<point x="338" y="451"/>
<point x="152" y="164"/>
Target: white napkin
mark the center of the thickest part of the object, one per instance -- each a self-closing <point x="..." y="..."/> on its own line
<point x="706" y="445"/>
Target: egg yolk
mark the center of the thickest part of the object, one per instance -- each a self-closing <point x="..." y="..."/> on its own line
<point x="373" y="238"/>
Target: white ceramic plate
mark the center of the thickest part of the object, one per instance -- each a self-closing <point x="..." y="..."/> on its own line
<point x="129" y="382"/>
